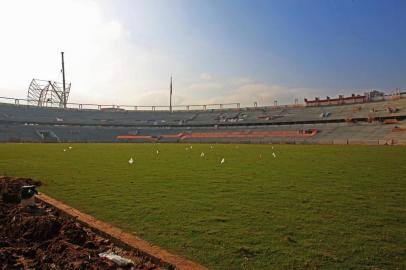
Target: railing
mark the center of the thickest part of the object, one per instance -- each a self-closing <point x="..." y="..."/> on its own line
<point x="108" y="107"/>
<point x="90" y="106"/>
<point x="193" y="107"/>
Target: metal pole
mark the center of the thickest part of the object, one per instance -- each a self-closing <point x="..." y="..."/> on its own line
<point x="170" y="96"/>
<point x="63" y="81"/>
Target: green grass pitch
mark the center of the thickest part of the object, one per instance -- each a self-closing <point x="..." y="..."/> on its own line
<point x="329" y="207"/>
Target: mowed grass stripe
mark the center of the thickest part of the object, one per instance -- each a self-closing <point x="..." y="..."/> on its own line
<point x="334" y="207"/>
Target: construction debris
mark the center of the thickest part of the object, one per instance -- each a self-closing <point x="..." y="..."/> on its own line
<point x="120" y="261"/>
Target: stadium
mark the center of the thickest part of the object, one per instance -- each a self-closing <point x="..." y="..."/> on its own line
<point x="195" y="180"/>
<point x="371" y="118"/>
<point x="113" y="166"/>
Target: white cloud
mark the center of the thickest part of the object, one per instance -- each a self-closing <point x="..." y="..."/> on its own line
<point x="161" y="98"/>
<point x="240" y="81"/>
<point x="34" y="32"/>
<point x="103" y="62"/>
<point x="265" y="94"/>
<point x="205" y="76"/>
<point x="240" y="90"/>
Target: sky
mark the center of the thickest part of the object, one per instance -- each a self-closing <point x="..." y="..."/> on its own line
<point x="218" y="51"/>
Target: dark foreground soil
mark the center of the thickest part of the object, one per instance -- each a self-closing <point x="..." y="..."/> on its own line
<point x="44" y="239"/>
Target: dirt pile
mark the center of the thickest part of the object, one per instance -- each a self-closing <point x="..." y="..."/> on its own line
<point x="43" y="239"/>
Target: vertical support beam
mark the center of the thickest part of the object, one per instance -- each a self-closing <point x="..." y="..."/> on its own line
<point x="63" y="81"/>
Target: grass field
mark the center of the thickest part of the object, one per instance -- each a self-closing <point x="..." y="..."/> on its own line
<point x="329" y="207"/>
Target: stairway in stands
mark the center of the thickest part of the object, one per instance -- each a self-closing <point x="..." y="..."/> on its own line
<point x="47" y="136"/>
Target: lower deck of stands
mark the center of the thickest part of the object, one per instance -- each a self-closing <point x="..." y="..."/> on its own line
<point x="343" y="133"/>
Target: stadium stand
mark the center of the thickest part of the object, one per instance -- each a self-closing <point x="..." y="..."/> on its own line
<point x="364" y="123"/>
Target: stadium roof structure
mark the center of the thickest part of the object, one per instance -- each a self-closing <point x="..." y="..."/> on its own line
<point x="43" y="93"/>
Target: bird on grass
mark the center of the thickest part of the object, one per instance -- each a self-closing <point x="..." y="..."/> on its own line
<point x="202" y="154"/>
<point x="222" y="161"/>
<point x="273" y="154"/>
<point x="131" y="161"/>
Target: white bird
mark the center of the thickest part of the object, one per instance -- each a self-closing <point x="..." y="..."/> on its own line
<point x="272" y="147"/>
<point x="157" y="152"/>
<point x="187" y="148"/>
<point x="222" y="161"/>
<point x="64" y="150"/>
<point x="202" y="154"/>
<point x="131" y="161"/>
<point x="70" y="147"/>
<point x="211" y="146"/>
<point x="273" y="154"/>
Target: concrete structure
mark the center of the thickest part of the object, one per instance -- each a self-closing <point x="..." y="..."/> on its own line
<point x="347" y="123"/>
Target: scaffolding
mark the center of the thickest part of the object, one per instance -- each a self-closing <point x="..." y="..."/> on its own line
<point x="44" y="93"/>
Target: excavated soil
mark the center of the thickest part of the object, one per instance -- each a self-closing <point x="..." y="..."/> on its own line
<point x="44" y="239"/>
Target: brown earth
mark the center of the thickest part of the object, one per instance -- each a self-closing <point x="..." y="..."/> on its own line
<point x="44" y="239"/>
